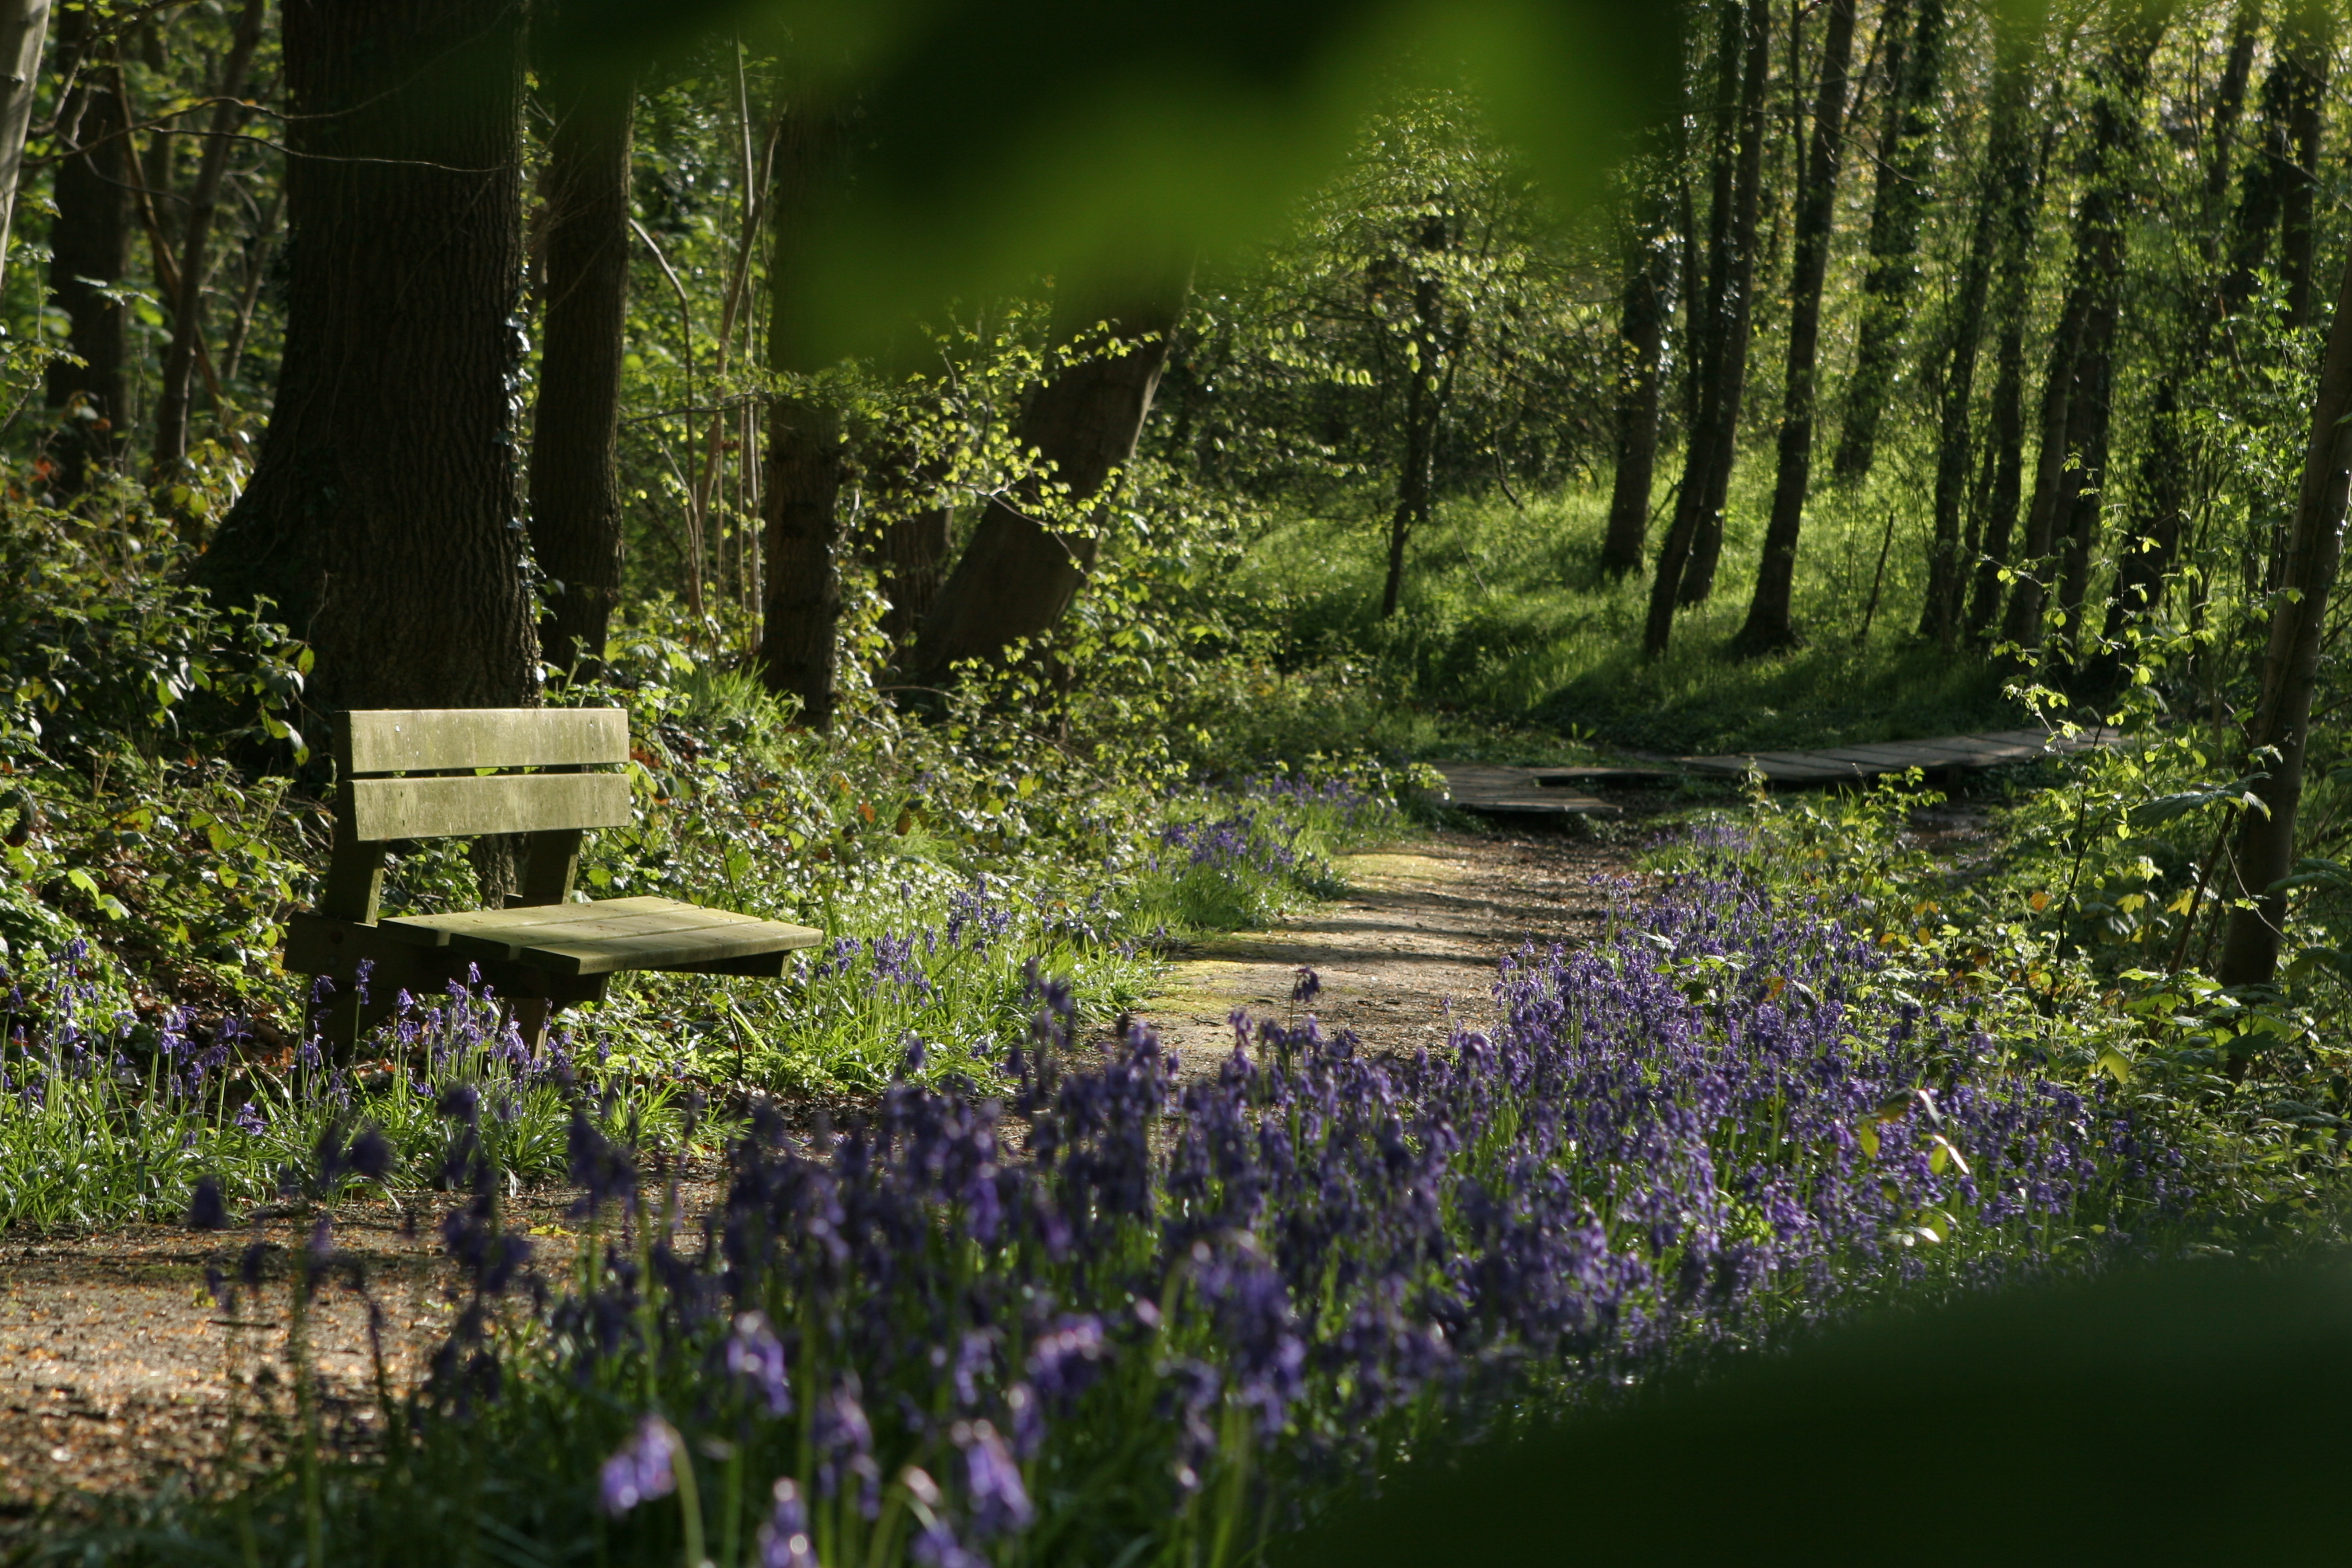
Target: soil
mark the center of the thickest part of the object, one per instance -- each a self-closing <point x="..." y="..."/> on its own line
<point x="119" y="1371"/>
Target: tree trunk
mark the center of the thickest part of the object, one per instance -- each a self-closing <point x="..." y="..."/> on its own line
<point x="195" y="244"/>
<point x="910" y="553"/>
<point x="1706" y="334"/>
<point x="2062" y="523"/>
<point x="575" y="486"/>
<point x="1018" y="576"/>
<point x="1649" y="283"/>
<point x="1768" y="619"/>
<point x="1707" y="544"/>
<point x="23" y="26"/>
<point x="1906" y="148"/>
<point x="1424" y="413"/>
<point x="2271" y="169"/>
<point x="2006" y="167"/>
<point x="2308" y="46"/>
<point x="801" y="498"/>
<point x="2005" y="419"/>
<point x="382" y="519"/>
<point x="2280" y="731"/>
<point x="1722" y="363"/>
<point x="89" y="247"/>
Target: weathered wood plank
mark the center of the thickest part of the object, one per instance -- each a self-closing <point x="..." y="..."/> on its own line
<point x="526" y="916"/>
<point x="434" y="740"/>
<point x="603" y="955"/>
<point x="382" y="809"/>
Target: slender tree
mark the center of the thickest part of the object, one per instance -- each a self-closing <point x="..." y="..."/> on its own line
<point x="1641" y="375"/>
<point x="1906" y="146"/>
<point x="2002" y="483"/>
<point x="23" y="26"/>
<point x="2280" y="735"/>
<point x="2307" y="47"/>
<point x="89" y="247"/>
<point x="2007" y="152"/>
<point x="1769" y="624"/>
<point x="1743" y="53"/>
<point x="381" y="521"/>
<point x="195" y="262"/>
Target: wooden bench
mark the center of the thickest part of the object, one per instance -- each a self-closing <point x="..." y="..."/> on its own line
<point x="411" y="774"/>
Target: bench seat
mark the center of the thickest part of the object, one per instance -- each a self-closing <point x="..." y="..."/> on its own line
<point x="610" y="935"/>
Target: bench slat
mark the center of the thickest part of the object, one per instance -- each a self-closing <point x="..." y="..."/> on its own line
<point x="657" y="950"/>
<point x="382" y="809"/>
<point x="434" y="740"/>
<point x="612" y="935"/>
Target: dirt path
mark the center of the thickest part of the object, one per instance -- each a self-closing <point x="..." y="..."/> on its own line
<point x="1421" y="928"/>
<point x="117" y="1368"/>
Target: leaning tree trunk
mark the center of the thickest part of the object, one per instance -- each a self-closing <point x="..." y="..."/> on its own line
<point x="23" y="25"/>
<point x="575" y="484"/>
<point x="2005" y="166"/>
<point x="2280" y="734"/>
<point x="1905" y="159"/>
<point x="1649" y="283"/>
<point x="1017" y="577"/>
<point x="89" y="247"/>
<point x="1722" y="365"/>
<point x="195" y="247"/>
<point x="1768" y="622"/>
<point x="1707" y="543"/>
<point x="381" y="521"/>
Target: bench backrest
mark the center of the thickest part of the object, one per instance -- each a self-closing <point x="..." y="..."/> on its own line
<point x="413" y="773"/>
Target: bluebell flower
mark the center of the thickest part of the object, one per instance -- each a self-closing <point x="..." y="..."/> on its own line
<point x="783" y="1539"/>
<point x="755" y="1357"/>
<point x="641" y="1469"/>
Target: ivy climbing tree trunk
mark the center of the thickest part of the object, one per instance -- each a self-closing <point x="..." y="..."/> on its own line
<point x="1769" y="609"/>
<point x="1905" y="155"/>
<point x="381" y="521"/>
<point x="89" y="247"/>
<point x="1017" y="577"/>
<point x="575" y="486"/>
<point x="2280" y="734"/>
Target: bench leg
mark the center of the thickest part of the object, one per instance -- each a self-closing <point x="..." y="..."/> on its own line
<point x="531" y="1015"/>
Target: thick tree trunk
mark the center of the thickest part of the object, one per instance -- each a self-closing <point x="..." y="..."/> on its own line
<point x="1707" y="544"/>
<point x="1424" y="413"/>
<point x="2271" y="170"/>
<point x="575" y="486"/>
<point x="1713" y="435"/>
<point x="2280" y="734"/>
<point x="23" y="26"/>
<point x="1907" y="149"/>
<point x="801" y="497"/>
<point x="1642" y="323"/>
<point x="196" y="245"/>
<point x="910" y="553"/>
<point x="382" y="519"/>
<point x="1017" y="577"/>
<point x="89" y="247"/>
<point x="1769" y="611"/>
<point x="2006" y="168"/>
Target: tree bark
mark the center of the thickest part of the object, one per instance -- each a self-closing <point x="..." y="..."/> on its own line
<point x="2309" y="46"/>
<point x="382" y="519"/>
<point x="801" y="498"/>
<point x="1907" y="149"/>
<point x="1746" y="36"/>
<point x="910" y="554"/>
<point x="1769" y="610"/>
<point x="23" y="26"/>
<point x="196" y="245"/>
<point x="1017" y="577"/>
<point x="89" y="247"/>
<point x="575" y="484"/>
<point x="1642" y="323"/>
<point x="2280" y="735"/>
<point x="2005" y="418"/>
<point x="1430" y="376"/>
<point x="2007" y="167"/>
<point x="1707" y="544"/>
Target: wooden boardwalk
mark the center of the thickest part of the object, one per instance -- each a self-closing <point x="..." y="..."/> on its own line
<point x="1490" y="788"/>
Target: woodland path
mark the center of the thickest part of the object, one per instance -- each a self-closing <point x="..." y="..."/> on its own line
<point x="1421" y="927"/>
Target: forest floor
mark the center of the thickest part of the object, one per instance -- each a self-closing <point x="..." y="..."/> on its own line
<point x="119" y="1371"/>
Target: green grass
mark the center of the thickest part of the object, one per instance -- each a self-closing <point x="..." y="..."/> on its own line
<point x="1508" y="618"/>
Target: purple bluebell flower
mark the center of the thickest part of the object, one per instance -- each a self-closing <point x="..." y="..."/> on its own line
<point x="783" y="1539"/>
<point x="755" y="1357"/>
<point x="642" y="1469"/>
<point x="1000" y="1501"/>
